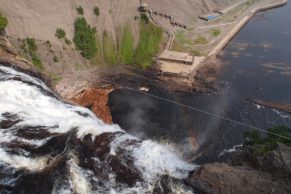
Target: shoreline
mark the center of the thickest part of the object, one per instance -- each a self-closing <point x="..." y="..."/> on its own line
<point x="230" y="35"/>
<point x="284" y="107"/>
<point x="186" y="74"/>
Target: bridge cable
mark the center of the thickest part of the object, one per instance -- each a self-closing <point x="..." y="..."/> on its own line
<point x="199" y="110"/>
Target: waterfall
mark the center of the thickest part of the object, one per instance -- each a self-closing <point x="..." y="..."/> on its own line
<point x="50" y="146"/>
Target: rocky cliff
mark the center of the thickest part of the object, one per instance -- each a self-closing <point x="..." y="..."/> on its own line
<point x="264" y="174"/>
<point x="224" y="179"/>
<point x="96" y="100"/>
<point x="40" y="19"/>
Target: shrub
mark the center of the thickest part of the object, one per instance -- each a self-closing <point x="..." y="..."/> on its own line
<point x="80" y="10"/>
<point x="201" y="40"/>
<point x="31" y="44"/>
<point x="32" y="48"/>
<point x="96" y="11"/>
<point x="60" y="33"/>
<point x="67" y="41"/>
<point x="3" y="22"/>
<point x="126" y="48"/>
<point x="56" y="59"/>
<point x="36" y="61"/>
<point x="84" y="38"/>
<point x="144" y="18"/>
<point x="264" y="145"/>
<point x="216" y="32"/>
<point x="48" y="43"/>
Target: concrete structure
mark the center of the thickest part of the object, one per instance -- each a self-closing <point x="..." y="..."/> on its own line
<point x="176" y="57"/>
<point x="209" y="17"/>
<point x="178" y="64"/>
<point x="143" y="6"/>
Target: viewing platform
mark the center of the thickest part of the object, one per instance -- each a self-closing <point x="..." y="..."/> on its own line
<point x="178" y="63"/>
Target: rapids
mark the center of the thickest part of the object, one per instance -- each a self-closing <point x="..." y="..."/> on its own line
<point x="49" y="146"/>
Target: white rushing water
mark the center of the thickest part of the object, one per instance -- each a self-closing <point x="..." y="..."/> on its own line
<point x="36" y="109"/>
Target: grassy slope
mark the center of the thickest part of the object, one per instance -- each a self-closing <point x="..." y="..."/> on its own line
<point x="148" y="45"/>
<point x="126" y="47"/>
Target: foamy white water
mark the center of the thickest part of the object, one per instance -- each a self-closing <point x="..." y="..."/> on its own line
<point x="26" y="108"/>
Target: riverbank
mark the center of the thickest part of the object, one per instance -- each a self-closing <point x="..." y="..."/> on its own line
<point x="285" y="107"/>
<point x="206" y="39"/>
<point x="230" y="35"/>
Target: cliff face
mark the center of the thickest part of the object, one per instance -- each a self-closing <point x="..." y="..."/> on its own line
<point x="225" y="179"/>
<point x="9" y="54"/>
<point x="96" y="100"/>
<point x="41" y="18"/>
<point x="83" y="93"/>
<point x="269" y="173"/>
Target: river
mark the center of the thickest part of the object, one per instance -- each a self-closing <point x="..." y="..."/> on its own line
<point x="257" y="65"/>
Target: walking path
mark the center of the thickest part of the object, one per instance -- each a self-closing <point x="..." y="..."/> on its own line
<point x="171" y="34"/>
<point x="217" y="25"/>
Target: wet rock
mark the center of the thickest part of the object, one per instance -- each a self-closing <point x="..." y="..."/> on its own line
<point x="224" y="179"/>
<point x="285" y="107"/>
<point x="81" y="92"/>
<point x="125" y="171"/>
<point x="102" y="145"/>
<point x="96" y="100"/>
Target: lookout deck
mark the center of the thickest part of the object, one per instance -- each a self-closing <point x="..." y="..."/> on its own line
<point x="178" y="63"/>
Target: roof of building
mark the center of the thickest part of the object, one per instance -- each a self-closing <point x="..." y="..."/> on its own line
<point x="209" y="16"/>
<point x="144" y="5"/>
<point x="177" y="56"/>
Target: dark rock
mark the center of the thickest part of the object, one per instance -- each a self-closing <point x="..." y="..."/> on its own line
<point x="224" y="179"/>
<point x="125" y="171"/>
<point x="285" y="155"/>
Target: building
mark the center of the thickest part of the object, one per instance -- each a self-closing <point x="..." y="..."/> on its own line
<point x="143" y="6"/>
<point x="178" y="64"/>
<point x="209" y="17"/>
<point x="176" y="57"/>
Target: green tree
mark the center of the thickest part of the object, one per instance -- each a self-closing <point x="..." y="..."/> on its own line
<point x="32" y="48"/>
<point x="96" y="11"/>
<point x="84" y="38"/>
<point x="60" y="33"/>
<point x="80" y="10"/>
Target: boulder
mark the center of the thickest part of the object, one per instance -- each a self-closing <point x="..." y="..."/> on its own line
<point x="224" y="179"/>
